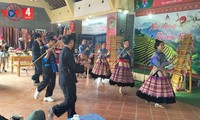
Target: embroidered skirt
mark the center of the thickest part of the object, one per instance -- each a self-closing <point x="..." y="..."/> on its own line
<point x="101" y="69"/>
<point x="157" y="89"/>
<point x="122" y="75"/>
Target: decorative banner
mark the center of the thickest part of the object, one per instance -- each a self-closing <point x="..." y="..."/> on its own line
<point x="169" y="9"/>
<point x="143" y="4"/>
<point x="158" y="3"/>
<point x="112" y="24"/>
<point x="170" y="28"/>
<point x="111" y="28"/>
<point x="94" y="26"/>
<point x="72" y="27"/>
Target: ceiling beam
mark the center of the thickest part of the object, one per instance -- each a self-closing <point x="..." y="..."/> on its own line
<point x="70" y="5"/>
<point x="111" y="4"/>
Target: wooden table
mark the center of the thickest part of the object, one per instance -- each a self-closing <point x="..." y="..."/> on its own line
<point x="20" y="61"/>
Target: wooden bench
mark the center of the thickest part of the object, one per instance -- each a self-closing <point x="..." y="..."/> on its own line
<point x="20" y="61"/>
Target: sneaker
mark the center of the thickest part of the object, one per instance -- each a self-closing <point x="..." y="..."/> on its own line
<point x="35" y="84"/>
<point x="158" y="105"/>
<point x="3" y="70"/>
<point x="147" y="102"/>
<point x="101" y="81"/>
<point x="49" y="99"/>
<point x="51" y="114"/>
<point x="36" y="95"/>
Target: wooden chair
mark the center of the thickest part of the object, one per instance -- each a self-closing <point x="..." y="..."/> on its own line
<point x="20" y="61"/>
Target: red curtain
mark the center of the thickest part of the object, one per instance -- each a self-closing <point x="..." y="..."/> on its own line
<point x="15" y="37"/>
<point x="1" y="31"/>
<point x="11" y="41"/>
<point x="25" y="37"/>
<point x="4" y="33"/>
<point x="7" y="35"/>
<point x="12" y="35"/>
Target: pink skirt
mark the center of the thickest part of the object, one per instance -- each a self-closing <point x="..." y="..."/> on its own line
<point x="157" y="89"/>
<point x="122" y="75"/>
<point x="101" y="69"/>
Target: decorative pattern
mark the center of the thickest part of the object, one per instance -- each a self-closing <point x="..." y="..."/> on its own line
<point x="182" y="7"/>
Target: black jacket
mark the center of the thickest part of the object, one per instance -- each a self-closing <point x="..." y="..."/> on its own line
<point x="68" y="67"/>
<point x="35" y="50"/>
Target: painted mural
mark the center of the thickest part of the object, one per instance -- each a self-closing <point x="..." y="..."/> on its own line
<point x="169" y="27"/>
<point x="140" y="4"/>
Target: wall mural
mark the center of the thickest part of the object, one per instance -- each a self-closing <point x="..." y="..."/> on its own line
<point x="169" y="27"/>
<point x="157" y="3"/>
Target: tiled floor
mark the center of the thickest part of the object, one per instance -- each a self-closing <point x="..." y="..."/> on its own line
<point x="16" y="97"/>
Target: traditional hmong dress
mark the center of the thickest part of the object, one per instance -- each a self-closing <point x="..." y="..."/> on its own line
<point x="122" y="75"/>
<point x="82" y="52"/>
<point x="157" y="88"/>
<point x="101" y="67"/>
<point x="83" y="56"/>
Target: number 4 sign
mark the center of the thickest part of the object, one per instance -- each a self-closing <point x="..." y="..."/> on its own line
<point x="27" y="13"/>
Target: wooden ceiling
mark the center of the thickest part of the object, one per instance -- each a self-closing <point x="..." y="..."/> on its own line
<point x="56" y="3"/>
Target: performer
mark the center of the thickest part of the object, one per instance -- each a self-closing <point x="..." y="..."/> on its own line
<point x="21" y="45"/>
<point x="157" y="88"/>
<point x="122" y="75"/>
<point x="90" y="55"/>
<point x="30" y="42"/>
<point x="67" y="80"/>
<point x="49" y="70"/>
<point x="101" y="67"/>
<point x="82" y="50"/>
<point x="35" y="55"/>
<point x="84" y="54"/>
<point x="4" y="56"/>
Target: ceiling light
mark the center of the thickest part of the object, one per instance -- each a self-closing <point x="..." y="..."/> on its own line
<point x="120" y="10"/>
<point x="125" y="12"/>
<point x="59" y="24"/>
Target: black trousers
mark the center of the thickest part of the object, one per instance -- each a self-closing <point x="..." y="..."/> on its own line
<point x="49" y="82"/>
<point x="69" y="103"/>
<point x="38" y="71"/>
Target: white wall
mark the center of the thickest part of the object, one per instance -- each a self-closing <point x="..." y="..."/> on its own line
<point x="82" y="8"/>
